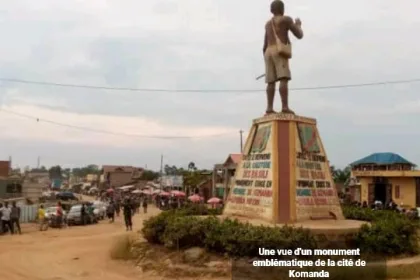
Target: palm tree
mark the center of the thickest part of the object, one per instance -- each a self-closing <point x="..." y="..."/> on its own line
<point x="191" y="166"/>
<point x="340" y="175"/>
<point x="333" y="171"/>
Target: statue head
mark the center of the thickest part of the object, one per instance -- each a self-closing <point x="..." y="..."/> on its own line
<point x="277" y="8"/>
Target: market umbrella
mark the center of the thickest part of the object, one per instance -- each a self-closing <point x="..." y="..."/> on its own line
<point x="164" y="194"/>
<point x="177" y="193"/>
<point x="136" y="191"/>
<point x="195" y="198"/>
<point x="148" y="192"/>
<point x="214" y="200"/>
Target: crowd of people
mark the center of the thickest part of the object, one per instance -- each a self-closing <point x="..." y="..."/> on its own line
<point x="165" y="203"/>
<point x="129" y="205"/>
<point x="10" y="218"/>
<point x="391" y="205"/>
<point x="58" y="219"/>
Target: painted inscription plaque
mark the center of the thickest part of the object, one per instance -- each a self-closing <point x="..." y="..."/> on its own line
<point x="308" y="138"/>
<point x="315" y="192"/>
<point x="251" y="193"/>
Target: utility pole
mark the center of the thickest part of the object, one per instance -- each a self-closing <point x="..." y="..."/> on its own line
<point x="38" y="162"/>
<point x="240" y="135"/>
<point x="10" y="165"/>
<point x="161" y="170"/>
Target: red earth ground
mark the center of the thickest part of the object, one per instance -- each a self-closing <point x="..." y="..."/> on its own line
<point x="73" y="253"/>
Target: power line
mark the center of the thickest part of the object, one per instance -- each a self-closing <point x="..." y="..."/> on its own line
<point x="111" y="132"/>
<point x="20" y="81"/>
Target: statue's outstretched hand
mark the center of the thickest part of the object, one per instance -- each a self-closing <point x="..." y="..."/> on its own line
<point x="298" y="22"/>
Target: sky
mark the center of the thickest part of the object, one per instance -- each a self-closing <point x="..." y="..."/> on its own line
<point x="206" y="44"/>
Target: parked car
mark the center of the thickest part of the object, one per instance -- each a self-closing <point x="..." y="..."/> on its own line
<point x="52" y="211"/>
<point x="74" y="217"/>
<point x="66" y="196"/>
<point x="99" y="209"/>
<point x="50" y="215"/>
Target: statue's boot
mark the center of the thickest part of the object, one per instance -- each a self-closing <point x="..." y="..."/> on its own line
<point x="270" y="112"/>
<point x="287" y="111"/>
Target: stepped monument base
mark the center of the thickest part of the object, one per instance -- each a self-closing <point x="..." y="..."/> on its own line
<point x="284" y="176"/>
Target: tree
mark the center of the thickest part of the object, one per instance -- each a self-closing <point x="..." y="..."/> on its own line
<point x="340" y="175"/>
<point x="84" y="171"/>
<point x="192" y="179"/>
<point x="41" y="169"/>
<point x="55" y="172"/>
<point x="171" y="170"/>
<point x="149" y="175"/>
<point x="191" y="166"/>
<point x="333" y="170"/>
<point x="66" y="172"/>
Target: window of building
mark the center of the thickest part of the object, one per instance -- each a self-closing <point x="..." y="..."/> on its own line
<point x="397" y="192"/>
<point x="14" y="188"/>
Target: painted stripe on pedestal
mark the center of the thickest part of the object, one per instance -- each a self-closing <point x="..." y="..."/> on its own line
<point x="292" y="171"/>
<point x="275" y="173"/>
<point x="283" y="170"/>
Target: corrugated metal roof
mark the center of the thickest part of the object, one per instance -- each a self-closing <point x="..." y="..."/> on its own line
<point x="235" y="158"/>
<point x="382" y="159"/>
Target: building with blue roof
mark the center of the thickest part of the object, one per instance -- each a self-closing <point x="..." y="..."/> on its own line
<point x="385" y="177"/>
<point x="382" y="159"/>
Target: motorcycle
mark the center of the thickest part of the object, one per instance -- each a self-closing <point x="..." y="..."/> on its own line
<point x="53" y="222"/>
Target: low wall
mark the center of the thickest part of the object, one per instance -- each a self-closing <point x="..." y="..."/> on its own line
<point x="28" y="213"/>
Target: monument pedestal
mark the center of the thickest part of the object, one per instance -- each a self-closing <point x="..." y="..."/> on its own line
<point x="284" y="176"/>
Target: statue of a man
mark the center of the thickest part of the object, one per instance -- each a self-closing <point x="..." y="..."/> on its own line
<point x="277" y="52"/>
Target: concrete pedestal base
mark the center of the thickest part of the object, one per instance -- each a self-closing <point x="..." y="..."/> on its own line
<point x="284" y="176"/>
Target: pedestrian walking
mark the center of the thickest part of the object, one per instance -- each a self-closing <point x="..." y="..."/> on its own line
<point x="110" y="210"/>
<point x="138" y="205"/>
<point x="128" y="214"/>
<point x="145" y="206"/>
<point x="83" y="214"/>
<point x="15" y="218"/>
<point x="5" y="218"/>
<point x="42" y="222"/>
<point x="133" y="205"/>
<point x="117" y="208"/>
<point x="59" y="215"/>
<point x="91" y="211"/>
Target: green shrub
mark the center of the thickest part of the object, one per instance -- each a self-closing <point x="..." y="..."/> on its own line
<point x="154" y="227"/>
<point x="389" y="237"/>
<point x="184" y="231"/>
<point x="198" y="210"/>
<point x="239" y="239"/>
<point x="369" y="215"/>
<point x="175" y="230"/>
<point x="389" y="233"/>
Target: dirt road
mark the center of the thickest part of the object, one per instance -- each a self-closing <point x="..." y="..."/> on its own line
<point x="74" y="253"/>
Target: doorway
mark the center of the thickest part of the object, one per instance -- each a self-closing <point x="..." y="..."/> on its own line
<point x="381" y="190"/>
<point x="418" y="192"/>
<point x="380" y="193"/>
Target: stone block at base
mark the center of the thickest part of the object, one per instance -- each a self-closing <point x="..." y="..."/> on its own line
<point x="284" y="176"/>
